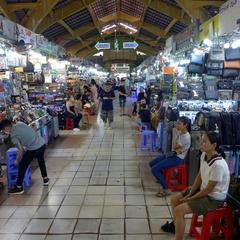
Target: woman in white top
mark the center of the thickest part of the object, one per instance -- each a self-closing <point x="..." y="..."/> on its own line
<point x="209" y="190"/>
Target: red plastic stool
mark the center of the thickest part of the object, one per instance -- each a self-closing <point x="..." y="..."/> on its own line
<point x="181" y="177"/>
<point x="219" y="221"/>
<point x="69" y="124"/>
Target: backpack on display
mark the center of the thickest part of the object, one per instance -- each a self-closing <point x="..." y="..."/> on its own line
<point x="211" y="94"/>
<point x="194" y="68"/>
<point x="212" y="121"/>
<point x="225" y="84"/>
<point x="232" y="54"/>
<point x="197" y="59"/>
<point x="227" y="73"/>
<point x="236" y="127"/>
<point x="215" y="65"/>
<point x="215" y="72"/>
<point x="210" y="85"/>
<point x="227" y="133"/>
<point x="236" y="86"/>
<point x="232" y="64"/>
<point x="225" y="95"/>
<point x="217" y="54"/>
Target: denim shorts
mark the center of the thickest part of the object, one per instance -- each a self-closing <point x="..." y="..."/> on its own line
<point x="122" y="102"/>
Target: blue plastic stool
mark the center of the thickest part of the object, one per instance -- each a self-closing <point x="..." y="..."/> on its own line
<point x="12" y="169"/>
<point x="144" y="136"/>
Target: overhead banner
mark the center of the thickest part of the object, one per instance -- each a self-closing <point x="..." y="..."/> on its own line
<point x="7" y="29"/>
<point x="229" y="15"/>
<point x="27" y="36"/>
<point x="209" y="29"/>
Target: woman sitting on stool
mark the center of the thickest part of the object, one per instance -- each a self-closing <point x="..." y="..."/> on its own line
<point x="209" y="190"/>
<point x="72" y="113"/>
<point x="181" y="145"/>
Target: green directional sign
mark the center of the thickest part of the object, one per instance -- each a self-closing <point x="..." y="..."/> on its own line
<point x="116" y="44"/>
<point x="131" y="45"/>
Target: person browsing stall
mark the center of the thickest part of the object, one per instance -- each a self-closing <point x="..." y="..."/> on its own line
<point x="209" y="190"/>
<point x="30" y="145"/>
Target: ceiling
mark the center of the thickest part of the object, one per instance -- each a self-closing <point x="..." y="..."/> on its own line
<point x="78" y="24"/>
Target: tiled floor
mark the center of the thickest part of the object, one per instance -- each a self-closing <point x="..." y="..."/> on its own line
<point x="101" y="189"/>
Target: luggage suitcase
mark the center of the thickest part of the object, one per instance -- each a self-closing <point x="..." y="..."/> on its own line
<point x="227" y="73"/>
<point x="167" y="137"/>
<point x="197" y="59"/>
<point x="232" y="54"/>
<point x="226" y="131"/>
<point x="232" y="64"/>
<point x="194" y="68"/>
<point x="225" y="84"/>
<point x="211" y="94"/>
<point x="193" y="163"/>
<point x="217" y="54"/>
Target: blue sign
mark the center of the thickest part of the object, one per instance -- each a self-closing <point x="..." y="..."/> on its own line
<point x="132" y="45"/>
<point x="102" y="46"/>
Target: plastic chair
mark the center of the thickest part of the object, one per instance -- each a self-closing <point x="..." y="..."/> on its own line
<point x="69" y="123"/>
<point x="219" y="221"/>
<point x="12" y="169"/>
<point x="144" y="136"/>
<point x="180" y="173"/>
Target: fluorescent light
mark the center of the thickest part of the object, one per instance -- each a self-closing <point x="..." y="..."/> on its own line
<point x="108" y="27"/>
<point x="127" y="26"/>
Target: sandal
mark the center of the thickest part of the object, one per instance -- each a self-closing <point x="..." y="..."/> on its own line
<point x="163" y="194"/>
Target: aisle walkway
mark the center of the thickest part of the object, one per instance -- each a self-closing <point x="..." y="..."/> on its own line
<point x="101" y="189"/>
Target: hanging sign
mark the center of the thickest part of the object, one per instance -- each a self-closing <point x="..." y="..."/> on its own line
<point x="102" y="45"/>
<point x="131" y="45"/>
<point x="26" y="36"/>
<point x="229" y="15"/>
<point x="7" y="29"/>
<point x="209" y="29"/>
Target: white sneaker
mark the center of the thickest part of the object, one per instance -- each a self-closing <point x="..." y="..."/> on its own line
<point x="76" y="130"/>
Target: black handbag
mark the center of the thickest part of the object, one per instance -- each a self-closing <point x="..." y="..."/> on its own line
<point x="197" y="59"/>
<point x="225" y="85"/>
<point x="215" y="72"/>
<point x="232" y="54"/>
<point x="227" y="73"/>
<point x="194" y="68"/>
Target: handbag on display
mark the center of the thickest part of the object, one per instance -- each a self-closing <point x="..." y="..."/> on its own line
<point x="210" y="85"/>
<point x="232" y="64"/>
<point x="194" y="68"/>
<point x="211" y="95"/>
<point x="215" y="65"/>
<point x="232" y="54"/>
<point x="225" y="95"/>
<point x="227" y="73"/>
<point x="217" y="54"/>
<point x="225" y="84"/>
<point x="197" y="59"/>
<point x="215" y="72"/>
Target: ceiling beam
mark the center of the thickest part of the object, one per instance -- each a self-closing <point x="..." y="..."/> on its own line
<point x="37" y="15"/>
<point x="195" y="13"/>
<point x="199" y="4"/>
<point x="154" y="29"/>
<point x="70" y="30"/>
<point x="5" y="11"/>
<point x="169" y="10"/>
<point x="61" y="13"/>
<point x="16" y="6"/>
<point x="76" y="33"/>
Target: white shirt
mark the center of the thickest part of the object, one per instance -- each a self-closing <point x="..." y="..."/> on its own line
<point x="184" y="141"/>
<point x="216" y="169"/>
